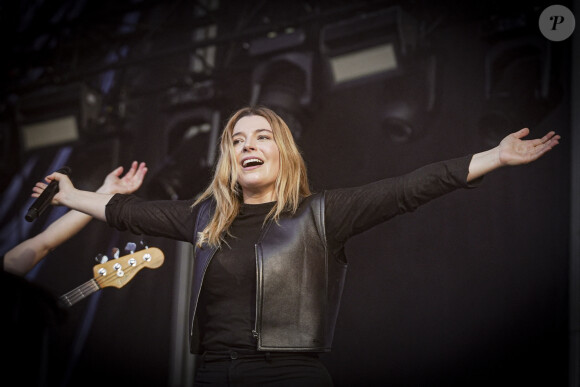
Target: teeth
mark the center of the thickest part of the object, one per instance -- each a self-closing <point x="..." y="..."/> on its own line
<point x="248" y="161"/>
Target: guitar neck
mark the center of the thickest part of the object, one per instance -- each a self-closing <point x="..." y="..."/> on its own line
<point x="79" y="293"/>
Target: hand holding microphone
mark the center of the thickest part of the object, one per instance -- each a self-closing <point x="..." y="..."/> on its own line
<point x="43" y="201"/>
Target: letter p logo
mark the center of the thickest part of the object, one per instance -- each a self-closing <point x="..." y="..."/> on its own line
<point x="557" y="20"/>
<point x="557" y="23"/>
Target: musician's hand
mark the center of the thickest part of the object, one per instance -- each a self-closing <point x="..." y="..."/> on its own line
<point x="65" y="186"/>
<point x="513" y="150"/>
<point x="126" y="184"/>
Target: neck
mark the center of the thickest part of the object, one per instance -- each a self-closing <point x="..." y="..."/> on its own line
<point x="259" y="197"/>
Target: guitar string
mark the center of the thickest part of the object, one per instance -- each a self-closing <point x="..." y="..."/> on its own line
<point x="76" y="294"/>
<point x="85" y="289"/>
<point x="100" y="281"/>
<point x="103" y="280"/>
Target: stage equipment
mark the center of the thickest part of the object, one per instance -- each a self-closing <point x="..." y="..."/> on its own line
<point x="284" y="84"/>
<point x="368" y="47"/>
<point x="56" y="115"/>
<point x="191" y="141"/>
<point x="521" y="86"/>
<point x="409" y="102"/>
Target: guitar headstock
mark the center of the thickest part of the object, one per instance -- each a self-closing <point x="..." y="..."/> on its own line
<point x="118" y="272"/>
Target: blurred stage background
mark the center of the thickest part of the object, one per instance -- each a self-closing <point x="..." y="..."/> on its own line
<point x="472" y="289"/>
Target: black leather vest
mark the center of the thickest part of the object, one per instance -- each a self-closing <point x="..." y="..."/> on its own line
<point x="299" y="285"/>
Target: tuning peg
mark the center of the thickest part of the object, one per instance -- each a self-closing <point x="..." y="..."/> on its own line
<point x="130" y="247"/>
<point x="100" y="258"/>
<point x="115" y="251"/>
<point x="144" y="243"/>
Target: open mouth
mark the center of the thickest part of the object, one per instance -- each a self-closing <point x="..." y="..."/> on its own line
<point x="251" y="162"/>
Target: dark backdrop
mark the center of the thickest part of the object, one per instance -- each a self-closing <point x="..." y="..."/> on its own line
<point x="471" y="289"/>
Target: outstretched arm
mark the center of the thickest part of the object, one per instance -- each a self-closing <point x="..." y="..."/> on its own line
<point x="512" y="150"/>
<point x="23" y="257"/>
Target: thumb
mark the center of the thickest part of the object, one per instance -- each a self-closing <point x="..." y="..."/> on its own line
<point x="522" y="133"/>
<point x="117" y="172"/>
<point x="53" y="176"/>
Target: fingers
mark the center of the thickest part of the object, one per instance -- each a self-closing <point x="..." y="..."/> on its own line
<point x="131" y="172"/>
<point x="55" y="176"/>
<point x="547" y="137"/>
<point x="133" y="169"/>
<point x="544" y="145"/>
<point x="38" y="189"/>
<point x="553" y="142"/>
<point x="137" y="173"/>
<point x="540" y="141"/>
<point x="549" y="140"/>
<point x="142" y="171"/>
<point x="553" y="137"/>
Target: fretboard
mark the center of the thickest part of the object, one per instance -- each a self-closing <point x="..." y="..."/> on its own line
<point x="79" y="293"/>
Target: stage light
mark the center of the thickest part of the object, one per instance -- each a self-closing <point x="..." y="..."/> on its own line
<point x="190" y="139"/>
<point x="282" y="74"/>
<point x="409" y="103"/>
<point x="367" y="47"/>
<point x="50" y="132"/>
<point x="370" y="61"/>
<point x="520" y="87"/>
<point x="56" y="115"/>
<point x="284" y="84"/>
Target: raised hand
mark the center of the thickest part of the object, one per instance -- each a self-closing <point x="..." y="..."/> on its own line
<point x="513" y="150"/>
<point x="126" y="184"/>
<point x="112" y="184"/>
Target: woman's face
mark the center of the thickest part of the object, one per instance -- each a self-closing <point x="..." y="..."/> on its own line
<point x="257" y="157"/>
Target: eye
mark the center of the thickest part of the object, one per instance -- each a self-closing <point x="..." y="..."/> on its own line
<point x="237" y="141"/>
<point x="263" y="137"/>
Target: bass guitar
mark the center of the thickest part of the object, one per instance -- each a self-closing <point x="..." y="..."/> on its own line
<point x="116" y="273"/>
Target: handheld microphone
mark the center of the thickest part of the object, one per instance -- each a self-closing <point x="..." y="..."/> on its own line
<point x="42" y="202"/>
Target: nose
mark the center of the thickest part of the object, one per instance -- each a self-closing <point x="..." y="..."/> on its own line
<point x="249" y="145"/>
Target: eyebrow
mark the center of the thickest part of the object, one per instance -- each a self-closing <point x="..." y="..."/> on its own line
<point x="255" y="131"/>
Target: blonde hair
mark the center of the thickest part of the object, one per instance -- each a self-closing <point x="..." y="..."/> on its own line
<point x="291" y="183"/>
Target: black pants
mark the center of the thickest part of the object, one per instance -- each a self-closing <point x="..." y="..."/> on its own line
<point x="268" y="369"/>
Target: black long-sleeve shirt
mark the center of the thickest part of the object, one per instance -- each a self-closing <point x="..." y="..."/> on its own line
<point x="226" y="309"/>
